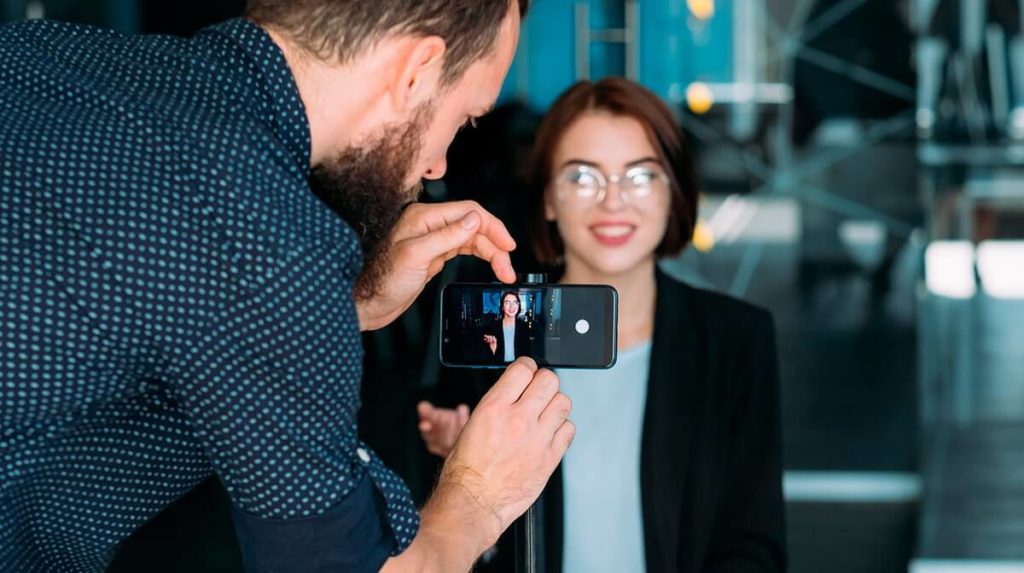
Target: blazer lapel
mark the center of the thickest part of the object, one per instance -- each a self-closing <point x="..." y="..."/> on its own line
<point x="668" y="423"/>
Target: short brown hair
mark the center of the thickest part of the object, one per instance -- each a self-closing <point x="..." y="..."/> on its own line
<point x="501" y="301"/>
<point x="341" y="29"/>
<point x="621" y="97"/>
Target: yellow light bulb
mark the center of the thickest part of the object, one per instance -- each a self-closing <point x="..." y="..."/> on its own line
<point x="699" y="98"/>
<point x="701" y="9"/>
<point x="703" y="238"/>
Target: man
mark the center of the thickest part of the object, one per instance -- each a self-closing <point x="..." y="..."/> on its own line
<point x="180" y="297"/>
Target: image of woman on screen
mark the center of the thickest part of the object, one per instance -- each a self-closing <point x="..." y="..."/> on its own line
<point x="676" y="465"/>
<point x="508" y="337"/>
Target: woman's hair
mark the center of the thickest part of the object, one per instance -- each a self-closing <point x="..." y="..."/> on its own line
<point x="501" y="302"/>
<point x="618" y="97"/>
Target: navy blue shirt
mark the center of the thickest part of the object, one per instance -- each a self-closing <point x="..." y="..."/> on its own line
<point x="174" y="302"/>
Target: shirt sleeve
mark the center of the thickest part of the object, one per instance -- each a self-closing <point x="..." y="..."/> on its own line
<point x="271" y="388"/>
<point x="312" y="543"/>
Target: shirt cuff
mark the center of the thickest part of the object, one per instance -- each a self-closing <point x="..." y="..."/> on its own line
<point x="351" y="536"/>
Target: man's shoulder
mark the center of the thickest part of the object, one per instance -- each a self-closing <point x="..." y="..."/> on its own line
<point x="36" y="33"/>
<point x="77" y="68"/>
<point x="84" y="56"/>
<point x="193" y="122"/>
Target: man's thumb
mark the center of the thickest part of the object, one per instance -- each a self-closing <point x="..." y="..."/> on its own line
<point x="447" y="239"/>
<point x="470" y="221"/>
<point x="452" y="237"/>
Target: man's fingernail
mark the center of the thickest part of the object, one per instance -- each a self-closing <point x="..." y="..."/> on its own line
<point x="471" y="220"/>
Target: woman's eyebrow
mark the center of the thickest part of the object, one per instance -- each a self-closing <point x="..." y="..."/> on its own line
<point x="643" y="160"/>
<point x="580" y="162"/>
<point x="634" y="163"/>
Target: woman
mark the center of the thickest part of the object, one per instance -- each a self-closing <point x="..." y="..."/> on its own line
<point x="676" y="464"/>
<point x="509" y="336"/>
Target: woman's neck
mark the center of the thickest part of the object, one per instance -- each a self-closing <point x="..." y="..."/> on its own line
<point x="637" y="289"/>
<point x="508" y="320"/>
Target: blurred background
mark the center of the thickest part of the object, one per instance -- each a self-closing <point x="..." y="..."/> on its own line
<point x="862" y="171"/>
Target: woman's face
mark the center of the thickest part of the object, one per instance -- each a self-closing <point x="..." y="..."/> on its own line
<point x="509" y="306"/>
<point x="609" y="194"/>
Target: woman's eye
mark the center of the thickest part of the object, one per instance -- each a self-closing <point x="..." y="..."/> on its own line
<point x="640" y="178"/>
<point x="583" y="179"/>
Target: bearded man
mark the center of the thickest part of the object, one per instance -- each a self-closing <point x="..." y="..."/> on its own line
<point x="193" y="234"/>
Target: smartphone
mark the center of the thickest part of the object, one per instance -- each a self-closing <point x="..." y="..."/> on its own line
<point x="558" y="325"/>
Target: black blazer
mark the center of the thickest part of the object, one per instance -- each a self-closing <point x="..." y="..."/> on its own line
<point x="710" y="460"/>
<point x="521" y="345"/>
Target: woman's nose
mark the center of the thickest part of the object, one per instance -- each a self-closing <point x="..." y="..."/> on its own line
<point x="613" y="199"/>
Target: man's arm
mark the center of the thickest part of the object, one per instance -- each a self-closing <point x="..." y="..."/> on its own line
<point x="269" y="383"/>
<point x="271" y="391"/>
<point x="498" y="467"/>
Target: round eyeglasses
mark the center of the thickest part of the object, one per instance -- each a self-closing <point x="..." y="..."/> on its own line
<point x="583" y="185"/>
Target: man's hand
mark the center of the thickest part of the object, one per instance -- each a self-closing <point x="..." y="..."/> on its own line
<point x="440" y="427"/>
<point x="513" y="441"/>
<point x="423" y="240"/>
<point x="500" y="463"/>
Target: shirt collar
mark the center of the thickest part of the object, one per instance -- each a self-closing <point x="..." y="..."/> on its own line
<point x="278" y="103"/>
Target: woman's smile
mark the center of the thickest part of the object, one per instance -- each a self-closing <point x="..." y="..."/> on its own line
<point x="612" y="233"/>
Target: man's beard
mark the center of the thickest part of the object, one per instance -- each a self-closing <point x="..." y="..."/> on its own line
<point x="366" y="187"/>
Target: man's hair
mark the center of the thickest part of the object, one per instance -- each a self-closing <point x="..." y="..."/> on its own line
<point x="342" y="29"/>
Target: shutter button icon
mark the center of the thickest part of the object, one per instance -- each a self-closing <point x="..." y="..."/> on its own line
<point x="582" y="326"/>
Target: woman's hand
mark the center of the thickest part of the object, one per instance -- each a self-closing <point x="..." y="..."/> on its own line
<point x="440" y="427"/>
<point x="492" y="342"/>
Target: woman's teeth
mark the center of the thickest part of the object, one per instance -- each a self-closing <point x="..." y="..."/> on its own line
<point x="613" y="230"/>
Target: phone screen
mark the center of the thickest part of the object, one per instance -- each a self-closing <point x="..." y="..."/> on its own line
<point x="563" y="326"/>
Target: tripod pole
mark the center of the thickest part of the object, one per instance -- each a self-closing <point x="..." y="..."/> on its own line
<point x="530" y="540"/>
<point x="529" y="530"/>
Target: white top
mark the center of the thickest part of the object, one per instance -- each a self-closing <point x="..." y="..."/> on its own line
<point x="601" y="471"/>
<point x="510" y="341"/>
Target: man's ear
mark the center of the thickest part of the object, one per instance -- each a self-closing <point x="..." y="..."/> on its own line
<point x="420" y="63"/>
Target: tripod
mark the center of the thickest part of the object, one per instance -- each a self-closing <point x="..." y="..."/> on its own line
<point x="529" y="536"/>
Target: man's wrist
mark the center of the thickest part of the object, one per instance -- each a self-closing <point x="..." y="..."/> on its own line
<point x="365" y="315"/>
<point x="458" y="523"/>
<point x="361" y="315"/>
<point x="455" y="529"/>
<point x="371" y="318"/>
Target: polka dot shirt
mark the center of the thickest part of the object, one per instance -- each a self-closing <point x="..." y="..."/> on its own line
<point x="174" y="302"/>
